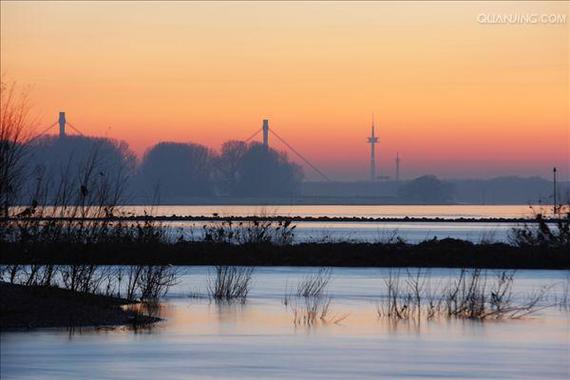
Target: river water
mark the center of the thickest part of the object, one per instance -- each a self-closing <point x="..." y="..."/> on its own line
<point x="361" y="231"/>
<point x="366" y="211"/>
<point x="203" y="340"/>
<point x="358" y="231"/>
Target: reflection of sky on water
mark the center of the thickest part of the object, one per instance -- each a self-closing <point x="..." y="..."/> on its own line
<point x="374" y="232"/>
<point x="366" y="211"/>
<point x="200" y="339"/>
<point x="321" y="231"/>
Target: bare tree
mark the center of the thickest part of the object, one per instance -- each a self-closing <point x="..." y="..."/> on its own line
<point x="14" y="123"/>
<point x="227" y="164"/>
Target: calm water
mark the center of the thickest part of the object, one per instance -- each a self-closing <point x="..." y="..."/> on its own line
<point x="358" y="231"/>
<point x="361" y="231"/>
<point x="373" y="232"/>
<point x="368" y="211"/>
<point x="200" y="340"/>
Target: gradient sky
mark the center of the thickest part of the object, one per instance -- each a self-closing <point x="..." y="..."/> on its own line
<point x="455" y="97"/>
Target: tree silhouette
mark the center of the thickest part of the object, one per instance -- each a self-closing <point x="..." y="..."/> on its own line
<point x="227" y="165"/>
<point x="53" y="161"/>
<point x="263" y="171"/>
<point x="179" y="169"/>
<point x="426" y="189"/>
<point x="14" y="129"/>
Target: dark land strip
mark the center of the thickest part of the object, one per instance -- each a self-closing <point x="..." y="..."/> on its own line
<point x="28" y="307"/>
<point x="432" y="253"/>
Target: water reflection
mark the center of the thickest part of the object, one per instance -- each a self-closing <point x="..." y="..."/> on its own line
<point x="377" y="232"/>
<point x="366" y="211"/>
<point x="205" y="339"/>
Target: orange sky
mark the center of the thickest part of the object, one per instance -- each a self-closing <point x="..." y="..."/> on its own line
<point x="455" y="97"/>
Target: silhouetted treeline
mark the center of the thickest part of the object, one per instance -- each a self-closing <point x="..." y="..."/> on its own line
<point x="509" y="190"/>
<point x="500" y="190"/>
<point x="178" y="169"/>
<point x="187" y="173"/>
<point x="59" y="165"/>
<point x="426" y="189"/>
<point x="172" y="171"/>
<point x="182" y="170"/>
<point x="254" y="170"/>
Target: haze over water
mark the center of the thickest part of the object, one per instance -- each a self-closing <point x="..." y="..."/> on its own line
<point x="204" y="340"/>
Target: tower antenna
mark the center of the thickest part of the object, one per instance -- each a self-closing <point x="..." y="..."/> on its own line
<point x="372" y="140"/>
<point x="397" y="166"/>
<point x="555" y="201"/>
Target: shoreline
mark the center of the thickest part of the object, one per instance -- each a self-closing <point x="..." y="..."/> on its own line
<point x="445" y="253"/>
<point x="28" y="307"/>
<point x="277" y="218"/>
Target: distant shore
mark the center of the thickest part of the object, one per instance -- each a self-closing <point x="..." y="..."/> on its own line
<point x="28" y="307"/>
<point x="218" y="218"/>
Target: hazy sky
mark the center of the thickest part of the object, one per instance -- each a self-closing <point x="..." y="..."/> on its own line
<point x="456" y="97"/>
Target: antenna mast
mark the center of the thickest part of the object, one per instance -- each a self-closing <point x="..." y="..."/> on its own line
<point x="372" y="140"/>
<point x="554" y="191"/>
<point x="397" y="167"/>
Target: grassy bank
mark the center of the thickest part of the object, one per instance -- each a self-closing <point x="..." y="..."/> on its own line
<point x="433" y="253"/>
<point x="81" y="235"/>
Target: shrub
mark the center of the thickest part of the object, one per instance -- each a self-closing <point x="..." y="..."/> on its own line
<point x="544" y="233"/>
<point x="230" y="283"/>
<point x="255" y="231"/>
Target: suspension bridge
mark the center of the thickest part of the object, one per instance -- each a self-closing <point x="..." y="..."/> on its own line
<point x="266" y="131"/>
<point x="62" y="122"/>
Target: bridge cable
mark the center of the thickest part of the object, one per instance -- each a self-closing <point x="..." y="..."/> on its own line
<point x="252" y="136"/>
<point x="75" y="129"/>
<point x="300" y="156"/>
<point x="44" y="131"/>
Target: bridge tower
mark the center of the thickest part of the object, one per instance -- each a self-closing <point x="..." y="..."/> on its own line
<point x="266" y="133"/>
<point x="62" y="123"/>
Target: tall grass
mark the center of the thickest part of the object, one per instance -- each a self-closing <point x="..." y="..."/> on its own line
<point x="409" y="298"/>
<point x="545" y="234"/>
<point x="230" y="283"/>
<point x="134" y="282"/>
<point x="314" y="284"/>
<point x="78" y="210"/>
<point x="309" y="303"/>
<point x="473" y="294"/>
<point x="563" y="299"/>
<point x="255" y="231"/>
